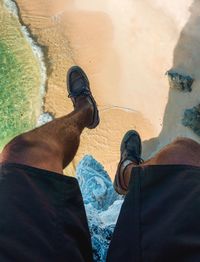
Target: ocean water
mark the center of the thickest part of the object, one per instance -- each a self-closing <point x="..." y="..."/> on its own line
<point x="22" y="76"/>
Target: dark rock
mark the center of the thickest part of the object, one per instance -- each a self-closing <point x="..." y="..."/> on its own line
<point x="192" y="119"/>
<point x="179" y="81"/>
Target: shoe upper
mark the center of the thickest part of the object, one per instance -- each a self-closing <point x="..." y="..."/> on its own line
<point x="131" y="147"/>
<point x="78" y="83"/>
<point x="77" y="86"/>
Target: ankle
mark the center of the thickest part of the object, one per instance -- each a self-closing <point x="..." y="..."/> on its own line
<point x="125" y="171"/>
<point x="86" y="109"/>
<point x="82" y="103"/>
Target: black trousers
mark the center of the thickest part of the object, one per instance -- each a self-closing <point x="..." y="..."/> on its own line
<point x="42" y="217"/>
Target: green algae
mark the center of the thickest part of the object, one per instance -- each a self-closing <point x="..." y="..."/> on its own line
<point x="20" y="79"/>
<point x="14" y="101"/>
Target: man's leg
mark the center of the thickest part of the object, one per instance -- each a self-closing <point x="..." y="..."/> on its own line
<point x="54" y="145"/>
<point x="183" y="151"/>
<point x="42" y="213"/>
<point x="160" y="214"/>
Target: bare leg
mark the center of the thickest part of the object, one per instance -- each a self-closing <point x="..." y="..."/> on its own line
<point x="183" y="151"/>
<point x="52" y="146"/>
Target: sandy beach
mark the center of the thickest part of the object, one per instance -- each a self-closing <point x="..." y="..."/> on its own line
<point x="126" y="49"/>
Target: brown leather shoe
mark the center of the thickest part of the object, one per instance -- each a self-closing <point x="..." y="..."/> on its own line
<point x="131" y="149"/>
<point x="78" y="85"/>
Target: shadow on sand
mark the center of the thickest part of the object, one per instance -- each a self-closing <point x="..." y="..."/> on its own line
<point x="186" y="60"/>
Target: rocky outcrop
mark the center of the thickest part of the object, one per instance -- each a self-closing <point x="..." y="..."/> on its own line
<point x="102" y="204"/>
<point x="179" y="81"/>
<point x="192" y="119"/>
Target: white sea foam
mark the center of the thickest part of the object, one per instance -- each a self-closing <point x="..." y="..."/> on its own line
<point x="11" y="7"/>
<point x="44" y="118"/>
<point x="36" y="49"/>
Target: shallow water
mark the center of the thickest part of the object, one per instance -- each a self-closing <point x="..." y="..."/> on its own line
<point x="20" y="79"/>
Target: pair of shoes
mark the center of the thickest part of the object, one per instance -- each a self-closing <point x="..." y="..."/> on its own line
<point x="131" y="149"/>
<point x="78" y="85"/>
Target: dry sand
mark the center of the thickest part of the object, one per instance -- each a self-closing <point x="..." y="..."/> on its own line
<point x="125" y="48"/>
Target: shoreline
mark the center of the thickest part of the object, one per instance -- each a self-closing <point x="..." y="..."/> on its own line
<point x="37" y="51"/>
